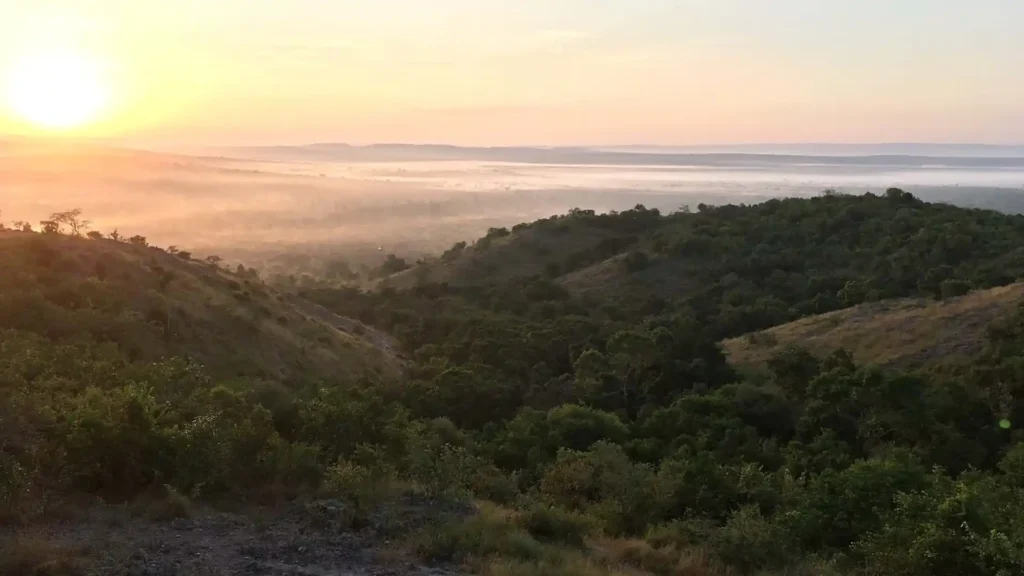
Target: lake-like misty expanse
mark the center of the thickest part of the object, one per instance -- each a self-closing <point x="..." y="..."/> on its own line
<point x="420" y="199"/>
<point x="743" y="180"/>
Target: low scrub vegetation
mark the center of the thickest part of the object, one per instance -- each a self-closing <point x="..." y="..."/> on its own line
<point x="595" y="435"/>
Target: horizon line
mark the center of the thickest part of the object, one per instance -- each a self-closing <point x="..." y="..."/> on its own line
<point x="132" y="142"/>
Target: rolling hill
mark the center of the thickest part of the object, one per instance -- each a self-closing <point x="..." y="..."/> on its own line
<point x="154" y="304"/>
<point x="748" y="267"/>
<point x="902" y="333"/>
<point x="551" y="247"/>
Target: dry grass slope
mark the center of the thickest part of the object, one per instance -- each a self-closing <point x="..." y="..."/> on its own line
<point x="904" y="333"/>
<point x="158" y="304"/>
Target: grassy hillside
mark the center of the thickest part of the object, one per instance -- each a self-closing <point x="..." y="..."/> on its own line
<point x="153" y="304"/>
<point x="902" y="333"/>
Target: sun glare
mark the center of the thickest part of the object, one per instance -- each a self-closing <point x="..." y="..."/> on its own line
<point x="57" y="91"/>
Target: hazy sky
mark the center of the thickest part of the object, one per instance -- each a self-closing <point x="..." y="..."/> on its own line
<point x="541" y="71"/>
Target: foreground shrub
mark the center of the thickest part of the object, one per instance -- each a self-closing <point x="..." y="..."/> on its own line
<point x="605" y="484"/>
<point x="663" y="561"/>
<point x="961" y="527"/>
<point x="551" y="524"/>
<point x="113" y="441"/>
<point x="363" y="488"/>
<point x="163" y="503"/>
<point x="357" y="482"/>
<point x="489" y="533"/>
<point x="750" y="541"/>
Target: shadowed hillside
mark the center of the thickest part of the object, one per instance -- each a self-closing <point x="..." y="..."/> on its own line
<point x="902" y="333"/>
<point x="153" y="304"/>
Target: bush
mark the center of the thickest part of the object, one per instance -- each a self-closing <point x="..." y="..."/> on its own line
<point x="842" y="507"/>
<point x="954" y="288"/>
<point x="1012" y="465"/>
<point x="637" y="261"/>
<point x="113" y="442"/>
<point x="970" y="526"/>
<point x="349" y="481"/>
<point x="681" y="533"/>
<point x="551" y="524"/>
<point x="750" y="541"/>
<point x="361" y="488"/>
<point x="447" y="472"/>
<point x="579" y="427"/>
<point x="605" y="484"/>
<point x="489" y="533"/>
<point x="163" y="503"/>
<point x="492" y="484"/>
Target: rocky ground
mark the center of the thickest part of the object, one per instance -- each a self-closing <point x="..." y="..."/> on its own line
<point x="312" y="539"/>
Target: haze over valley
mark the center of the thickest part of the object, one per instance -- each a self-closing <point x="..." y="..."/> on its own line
<point x="250" y="203"/>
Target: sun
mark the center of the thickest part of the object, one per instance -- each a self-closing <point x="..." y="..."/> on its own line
<point x="57" y="90"/>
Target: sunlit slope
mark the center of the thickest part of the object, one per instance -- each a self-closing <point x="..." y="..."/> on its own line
<point x="905" y="333"/>
<point x="153" y="304"/>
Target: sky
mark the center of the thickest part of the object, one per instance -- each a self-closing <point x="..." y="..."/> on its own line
<point x="537" y="72"/>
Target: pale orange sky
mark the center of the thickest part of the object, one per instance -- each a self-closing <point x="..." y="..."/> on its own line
<point x="537" y="71"/>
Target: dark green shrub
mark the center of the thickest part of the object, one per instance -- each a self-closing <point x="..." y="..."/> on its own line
<point x="636" y="261"/>
<point x="953" y="288"/>
<point x="489" y="533"/>
<point x="749" y="541"/>
<point x="552" y="524"/>
<point x="113" y="441"/>
<point x="580" y="427"/>
<point x="163" y="503"/>
<point x="604" y="484"/>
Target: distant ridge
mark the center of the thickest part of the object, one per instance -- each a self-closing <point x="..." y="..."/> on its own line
<point x="894" y="155"/>
<point x="840" y="149"/>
